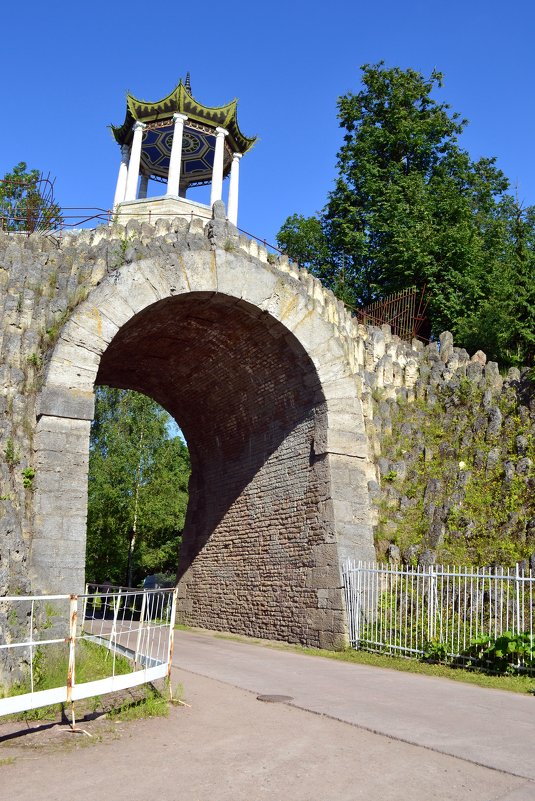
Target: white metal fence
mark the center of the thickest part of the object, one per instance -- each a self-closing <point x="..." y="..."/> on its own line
<point x="450" y="612"/>
<point x="132" y="628"/>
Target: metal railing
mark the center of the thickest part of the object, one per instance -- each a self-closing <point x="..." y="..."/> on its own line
<point x="414" y="611"/>
<point x="131" y="628"/>
<point x="403" y="311"/>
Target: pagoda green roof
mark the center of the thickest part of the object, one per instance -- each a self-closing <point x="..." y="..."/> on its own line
<point x="181" y="101"/>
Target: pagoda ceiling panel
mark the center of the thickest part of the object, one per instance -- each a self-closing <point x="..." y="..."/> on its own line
<point x="197" y="153"/>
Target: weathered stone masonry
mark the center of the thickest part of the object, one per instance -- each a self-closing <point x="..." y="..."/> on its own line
<point x="253" y="360"/>
<point x="287" y="404"/>
<point x="453" y="441"/>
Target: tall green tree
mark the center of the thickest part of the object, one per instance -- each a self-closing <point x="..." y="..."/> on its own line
<point x="138" y="480"/>
<point x="410" y="207"/>
<point x="503" y="323"/>
<point x="24" y="206"/>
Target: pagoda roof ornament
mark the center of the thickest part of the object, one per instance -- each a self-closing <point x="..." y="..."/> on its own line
<point x="181" y="101"/>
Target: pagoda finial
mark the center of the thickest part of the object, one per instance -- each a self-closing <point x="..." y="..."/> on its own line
<point x="187" y="84"/>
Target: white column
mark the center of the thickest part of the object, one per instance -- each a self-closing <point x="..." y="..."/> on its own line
<point x="217" y="172"/>
<point x="135" y="158"/>
<point x="121" y="178"/>
<point x="232" y="211"/>
<point x="175" y="161"/>
<point x="143" y="186"/>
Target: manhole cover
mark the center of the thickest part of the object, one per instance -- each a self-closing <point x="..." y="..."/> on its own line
<point x="274" y="699"/>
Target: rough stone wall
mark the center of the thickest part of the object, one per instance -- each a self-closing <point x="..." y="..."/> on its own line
<point x="426" y="410"/>
<point x="283" y="456"/>
<point x="454" y="448"/>
<point x="39" y="285"/>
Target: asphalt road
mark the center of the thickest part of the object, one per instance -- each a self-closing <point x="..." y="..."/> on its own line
<point x="350" y="733"/>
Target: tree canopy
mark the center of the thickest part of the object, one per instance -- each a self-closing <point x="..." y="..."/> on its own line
<point x="26" y="201"/>
<point x="138" y="482"/>
<point x="410" y="207"/>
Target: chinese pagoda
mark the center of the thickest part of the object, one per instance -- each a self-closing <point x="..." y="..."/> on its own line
<point x="179" y="143"/>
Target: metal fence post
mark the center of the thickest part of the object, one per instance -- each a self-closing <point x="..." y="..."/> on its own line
<point x="171" y="636"/>
<point x="517" y="628"/>
<point x="431" y="608"/>
<point x="71" y="671"/>
<point x="84" y="608"/>
<point x="140" y="629"/>
<point x="357" y="608"/>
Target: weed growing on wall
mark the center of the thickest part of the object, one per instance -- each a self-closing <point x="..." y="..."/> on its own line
<point x="11" y="455"/>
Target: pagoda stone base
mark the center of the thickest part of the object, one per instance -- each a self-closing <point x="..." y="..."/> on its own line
<point x="154" y="208"/>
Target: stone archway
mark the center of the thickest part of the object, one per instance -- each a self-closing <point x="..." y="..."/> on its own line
<point x="254" y="373"/>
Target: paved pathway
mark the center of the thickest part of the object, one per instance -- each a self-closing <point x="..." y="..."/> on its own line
<point x="488" y="727"/>
<point x="230" y="747"/>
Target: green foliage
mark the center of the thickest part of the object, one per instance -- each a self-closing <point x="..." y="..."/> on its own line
<point x="92" y="662"/>
<point x="138" y="479"/>
<point x="435" y="651"/>
<point x="35" y="360"/>
<point x="410" y="207"/>
<point x="28" y="475"/>
<point x="502" y="323"/>
<point x="21" y="204"/>
<point x="12" y="457"/>
<point x="504" y="654"/>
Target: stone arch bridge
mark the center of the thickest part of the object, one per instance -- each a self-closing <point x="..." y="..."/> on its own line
<point x="262" y="369"/>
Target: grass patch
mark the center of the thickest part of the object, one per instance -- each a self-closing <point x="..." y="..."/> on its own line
<point x="152" y="704"/>
<point x="516" y="684"/>
<point x="50" y="666"/>
<point x="93" y="662"/>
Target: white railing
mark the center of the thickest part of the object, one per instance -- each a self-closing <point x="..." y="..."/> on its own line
<point x="132" y="628"/>
<point x="447" y="611"/>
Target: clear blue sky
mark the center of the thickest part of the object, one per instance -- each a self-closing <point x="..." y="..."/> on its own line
<point x="67" y="66"/>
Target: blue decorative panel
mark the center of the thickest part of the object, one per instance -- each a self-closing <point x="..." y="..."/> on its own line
<point x="197" y="153"/>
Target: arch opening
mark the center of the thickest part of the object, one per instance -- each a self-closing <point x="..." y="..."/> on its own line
<point x="248" y="399"/>
<point x="261" y="378"/>
<point x="137" y="491"/>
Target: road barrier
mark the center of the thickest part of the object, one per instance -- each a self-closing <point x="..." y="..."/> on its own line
<point x="131" y="628"/>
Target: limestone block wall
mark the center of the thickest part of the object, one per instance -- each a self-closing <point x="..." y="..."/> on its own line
<point x="283" y="496"/>
<point x="363" y="426"/>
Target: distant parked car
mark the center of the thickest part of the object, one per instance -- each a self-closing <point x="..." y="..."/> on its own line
<point x="157" y="602"/>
